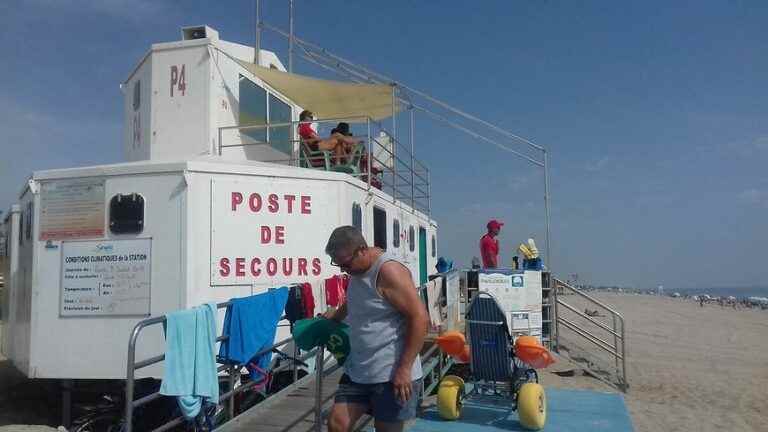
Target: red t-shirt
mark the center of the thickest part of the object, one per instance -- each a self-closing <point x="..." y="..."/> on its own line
<point x="306" y="132"/>
<point x="489" y="250"/>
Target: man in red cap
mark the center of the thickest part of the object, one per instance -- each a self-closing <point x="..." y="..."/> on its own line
<point x="489" y="244"/>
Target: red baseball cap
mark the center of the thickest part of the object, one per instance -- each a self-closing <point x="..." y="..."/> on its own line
<point x="494" y="224"/>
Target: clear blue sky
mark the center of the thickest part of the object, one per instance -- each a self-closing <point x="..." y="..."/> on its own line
<point x="656" y="114"/>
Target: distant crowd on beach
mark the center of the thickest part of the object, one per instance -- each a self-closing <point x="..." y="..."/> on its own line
<point x="754" y="302"/>
<point x="731" y="301"/>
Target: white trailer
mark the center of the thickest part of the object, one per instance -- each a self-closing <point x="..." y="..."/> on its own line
<point x="97" y="249"/>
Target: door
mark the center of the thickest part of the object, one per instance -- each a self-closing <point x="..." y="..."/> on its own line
<point x="422" y="255"/>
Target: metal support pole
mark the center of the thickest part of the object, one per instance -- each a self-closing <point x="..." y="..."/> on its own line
<point x="129" y="380"/>
<point x="290" y="36"/>
<point x="319" y="389"/>
<point x="555" y="316"/>
<point x="547" y="209"/>
<point x="413" y="192"/>
<point x="616" y="345"/>
<point x="231" y="401"/>
<point x="295" y="364"/>
<point x="220" y="142"/>
<point x="429" y="194"/>
<point x="623" y="355"/>
<point x="370" y="153"/>
<point x="66" y="403"/>
<point x="394" y="142"/>
<point x="257" y="35"/>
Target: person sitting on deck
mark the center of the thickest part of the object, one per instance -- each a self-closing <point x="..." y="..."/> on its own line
<point x="339" y="144"/>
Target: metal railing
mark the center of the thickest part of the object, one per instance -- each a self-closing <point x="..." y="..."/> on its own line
<point x="587" y="327"/>
<point x="232" y="373"/>
<point x="434" y="366"/>
<point x="385" y="163"/>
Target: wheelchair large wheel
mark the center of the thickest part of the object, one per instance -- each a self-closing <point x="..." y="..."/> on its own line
<point x="449" y="397"/>
<point x="532" y="406"/>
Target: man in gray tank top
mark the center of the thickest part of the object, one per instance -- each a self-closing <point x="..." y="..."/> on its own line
<point x="387" y="324"/>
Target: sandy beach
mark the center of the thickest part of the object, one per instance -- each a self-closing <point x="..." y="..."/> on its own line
<point x="690" y="369"/>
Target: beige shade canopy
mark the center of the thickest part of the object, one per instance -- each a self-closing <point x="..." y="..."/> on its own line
<point x="328" y="99"/>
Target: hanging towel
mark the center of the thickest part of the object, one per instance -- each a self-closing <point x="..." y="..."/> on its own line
<point x="318" y="292"/>
<point x="251" y="323"/>
<point x="434" y="287"/>
<point x="307" y="300"/>
<point x="294" y="309"/>
<point x="309" y="333"/>
<point x="190" y="362"/>
<point x="336" y="290"/>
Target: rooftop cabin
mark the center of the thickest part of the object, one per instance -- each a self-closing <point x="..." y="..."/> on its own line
<point x="204" y="96"/>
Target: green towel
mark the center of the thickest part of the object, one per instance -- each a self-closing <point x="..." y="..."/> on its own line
<point x="313" y="332"/>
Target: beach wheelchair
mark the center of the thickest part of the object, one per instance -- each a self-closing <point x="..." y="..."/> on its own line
<point x="499" y="371"/>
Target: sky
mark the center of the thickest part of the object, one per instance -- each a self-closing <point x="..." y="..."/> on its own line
<point x="655" y="115"/>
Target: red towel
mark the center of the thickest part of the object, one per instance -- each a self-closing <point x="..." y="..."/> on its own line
<point x="336" y="290"/>
<point x="308" y="300"/>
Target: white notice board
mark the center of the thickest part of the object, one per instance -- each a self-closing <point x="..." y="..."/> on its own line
<point x="109" y="278"/>
<point x="72" y="209"/>
<point x="507" y="287"/>
<point x="519" y="295"/>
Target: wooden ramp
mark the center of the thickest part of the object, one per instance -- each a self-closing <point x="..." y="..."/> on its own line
<point x="291" y="410"/>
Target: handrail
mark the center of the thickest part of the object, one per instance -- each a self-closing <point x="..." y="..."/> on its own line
<point x="589" y="318"/>
<point x="399" y="162"/>
<point x="435" y="365"/>
<point x="133" y="366"/>
<point x="617" y="350"/>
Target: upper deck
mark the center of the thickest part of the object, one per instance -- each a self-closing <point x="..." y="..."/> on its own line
<point x="204" y="96"/>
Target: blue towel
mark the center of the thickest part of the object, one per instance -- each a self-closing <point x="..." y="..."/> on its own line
<point x="251" y="323"/>
<point x="190" y="361"/>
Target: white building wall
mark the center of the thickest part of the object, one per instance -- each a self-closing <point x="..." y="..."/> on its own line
<point x="137" y="109"/>
<point x="10" y="275"/>
<point x="180" y="102"/>
<point x="96" y="346"/>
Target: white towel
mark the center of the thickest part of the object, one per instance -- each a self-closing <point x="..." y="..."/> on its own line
<point x="433" y="302"/>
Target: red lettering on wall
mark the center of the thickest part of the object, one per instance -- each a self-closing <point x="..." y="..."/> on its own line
<point x="254" y="202"/>
<point x="266" y="235"/>
<point x="302" y="265"/>
<point x="287" y="266"/>
<point x="237" y="199"/>
<point x="306" y="202"/>
<point x="273" y="202"/>
<point x="239" y="266"/>
<point x="255" y="270"/>
<point x="289" y="199"/>
<point x="283" y="266"/>
<point x="224" y="267"/>
<point x="271" y="266"/>
<point x="273" y="205"/>
<point x="279" y="234"/>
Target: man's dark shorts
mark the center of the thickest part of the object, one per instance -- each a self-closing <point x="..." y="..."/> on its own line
<point x="381" y="399"/>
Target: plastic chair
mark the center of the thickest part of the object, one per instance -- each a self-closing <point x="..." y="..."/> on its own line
<point x="352" y="166"/>
<point x="315" y="159"/>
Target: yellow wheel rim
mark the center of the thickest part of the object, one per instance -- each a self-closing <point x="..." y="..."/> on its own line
<point x="449" y="395"/>
<point x="532" y="406"/>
